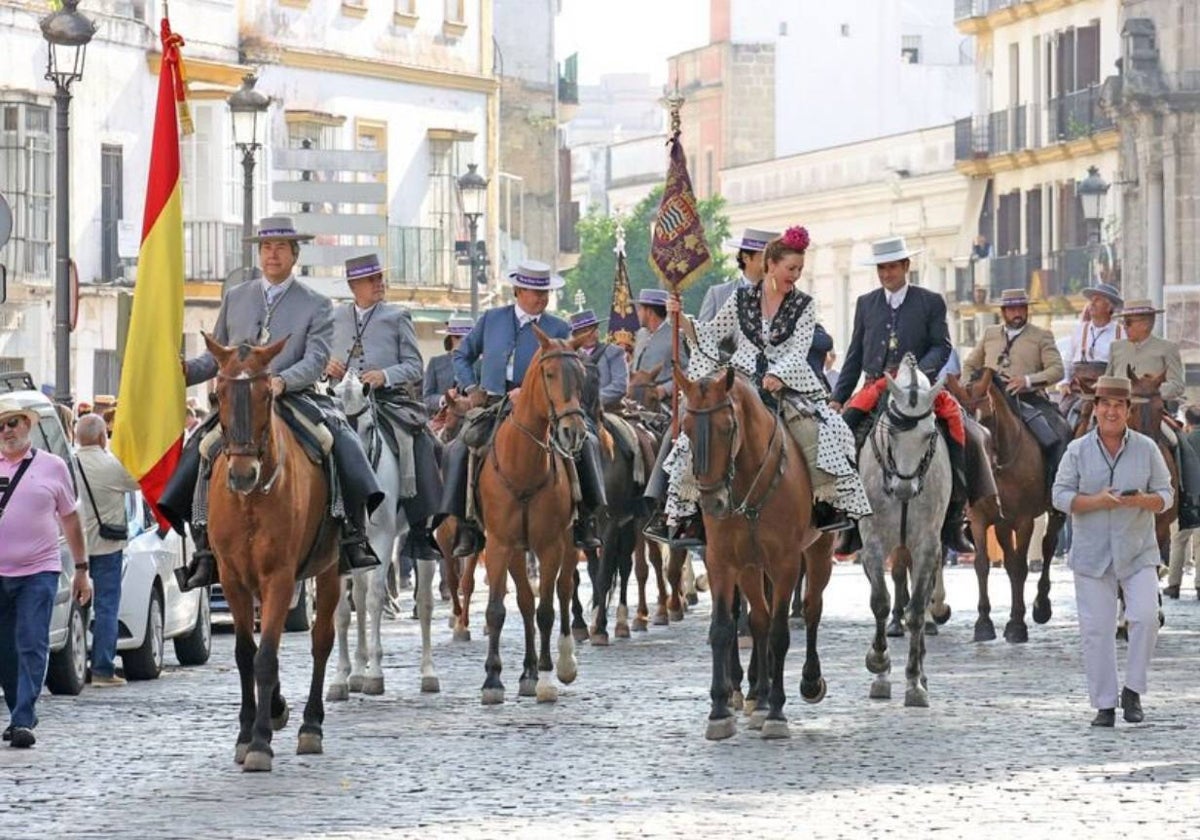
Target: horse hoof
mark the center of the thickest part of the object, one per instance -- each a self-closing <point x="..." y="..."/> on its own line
<point x="931" y="628"/>
<point x="878" y="662"/>
<point x="1016" y="633"/>
<point x="337" y="693"/>
<point x="309" y="744"/>
<point x="737" y="701"/>
<point x="579" y="634"/>
<point x="916" y="697"/>
<point x="452" y="621"/>
<point x="493" y="696"/>
<point x="640" y="625"/>
<point x="985" y="631"/>
<point x="462" y="634"/>
<point x="750" y="704"/>
<point x="773" y="730"/>
<point x="692" y="599"/>
<point x="430" y="685"/>
<point x="372" y="686"/>
<point x="660" y="619"/>
<point x="278" y="723"/>
<point x="356" y="683"/>
<point x="239" y="753"/>
<point x="257" y="762"/>
<point x="720" y="729"/>
<point x="598" y="639"/>
<point x="944" y="617"/>
<point x="621" y="631"/>
<point x="881" y="689"/>
<point x="568" y="668"/>
<point x="527" y="688"/>
<point x="895" y="630"/>
<point x="546" y="692"/>
<point x="702" y="582"/>
<point x="757" y="719"/>
<point x="813" y="693"/>
<point x="675" y="616"/>
<point x="1041" y="610"/>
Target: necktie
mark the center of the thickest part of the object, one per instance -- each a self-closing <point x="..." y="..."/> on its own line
<point x="273" y="293"/>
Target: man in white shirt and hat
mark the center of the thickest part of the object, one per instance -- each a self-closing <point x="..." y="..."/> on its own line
<point x="749" y="261"/>
<point x="1091" y="341"/>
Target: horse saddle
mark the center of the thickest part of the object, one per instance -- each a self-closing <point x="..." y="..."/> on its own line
<point x="1049" y="427"/>
<point x="627" y="442"/>
<point x="479" y="425"/>
<point x="304" y="419"/>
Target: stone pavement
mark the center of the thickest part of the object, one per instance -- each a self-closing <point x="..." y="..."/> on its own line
<point x="1004" y="749"/>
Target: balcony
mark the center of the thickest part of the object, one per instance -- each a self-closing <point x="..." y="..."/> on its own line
<point x="1076" y="115"/>
<point x="965" y="9"/>
<point x="1070" y="271"/>
<point x="418" y="256"/>
<point x="1029" y="127"/>
<point x="211" y="250"/>
<point x="1012" y="271"/>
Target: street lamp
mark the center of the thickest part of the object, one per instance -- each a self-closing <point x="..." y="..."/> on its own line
<point x="472" y="188"/>
<point x="1091" y="191"/>
<point x="68" y="33"/>
<point x="249" y="109"/>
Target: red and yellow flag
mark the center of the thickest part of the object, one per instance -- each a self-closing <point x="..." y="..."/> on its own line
<point x="148" y="433"/>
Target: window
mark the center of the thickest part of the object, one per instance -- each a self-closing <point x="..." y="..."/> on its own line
<point x="910" y="49"/>
<point x="111" y="210"/>
<point x="11" y="364"/>
<point x="371" y="136"/>
<point x="455" y="11"/>
<point x="106" y="372"/>
<point x="845" y="30"/>
<point x="201" y="163"/>
<point x="26" y="173"/>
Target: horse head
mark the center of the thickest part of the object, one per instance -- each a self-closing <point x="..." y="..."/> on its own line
<point x="643" y="388"/>
<point x="559" y="367"/>
<point x="910" y="429"/>
<point x="1148" y="408"/>
<point x="354" y="394"/>
<point x="711" y="424"/>
<point x="451" y="415"/>
<point x="245" y="406"/>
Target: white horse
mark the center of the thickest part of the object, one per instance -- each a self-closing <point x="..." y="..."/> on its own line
<point x="905" y="469"/>
<point x="367" y="590"/>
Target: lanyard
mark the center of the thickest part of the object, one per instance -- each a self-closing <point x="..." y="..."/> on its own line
<point x="264" y="333"/>
<point x="356" y="349"/>
<point x="1008" y="343"/>
<point x="1089" y="349"/>
<point x="1112" y="464"/>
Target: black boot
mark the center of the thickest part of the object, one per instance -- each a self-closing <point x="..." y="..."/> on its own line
<point x="953" y="534"/>
<point x="202" y="570"/>
<point x="467" y="540"/>
<point x="688" y="533"/>
<point x="356" y="554"/>
<point x="825" y="517"/>
<point x="848" y="541"/>
<point x="656" y="529"/>
<point x="856" y="420"/>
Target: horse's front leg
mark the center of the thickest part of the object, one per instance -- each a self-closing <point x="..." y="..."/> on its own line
<point x="895" y="628"/>
<point x="722" y="636"/>
<point x="271" y="712"/>
<point x="676" y="557"/>
<point x="750" y="581"/>
<point x="601" y="587"/>
<point x="775" y="725"/>
<point x="879" y="662"/>
<point x="1041" y="603"/>
<point x="660" y="580"/>
<point x="568" y="666"/>
<point x="241" y="605"/>
<point x="339" y="687"/>
<point x="1017" y="566"/>
<point x="497" y="564"/>
<point x="641" y="571"/>
<point x="312" y="730"/>
<point x="985" y="630"/>
<point x="939" y="610"/>
<point x="519" y="570"/>
<point x="623" y="535"/>
<point x="370" y="614"/>
<point x="359" y="586"/>
<point x="430" y="684"/>
<point x="924" y="571"/>
<point x="818" y="566"/>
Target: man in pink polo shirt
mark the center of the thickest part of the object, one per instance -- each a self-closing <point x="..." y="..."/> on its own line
<point x="36" y="498"/>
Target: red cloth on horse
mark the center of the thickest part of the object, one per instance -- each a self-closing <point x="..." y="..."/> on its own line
<point x="944" y="406"/>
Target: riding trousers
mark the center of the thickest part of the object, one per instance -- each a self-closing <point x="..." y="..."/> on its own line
<point x="945" y="407"/>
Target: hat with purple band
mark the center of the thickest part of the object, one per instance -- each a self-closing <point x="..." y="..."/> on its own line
<point x="531" y="274"/>
<point x="279" y="227"/>
<point x="752" y="240"/>
<point x="1013" y="298"/>
<point x="1135" y="308"/>
<point x="652" y="297"/>
<point x="585" y="319"/>
<point x="360" y="268"/>
<point x="458" y="325"/>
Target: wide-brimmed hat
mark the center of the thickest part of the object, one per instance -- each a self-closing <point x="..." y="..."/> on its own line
<point x="892" y="249"/>
<point x="8" y="408"/>
<point x="652" y="297"/>
<point x="1114" y="388"/>
<point x="459" y="326"/>
<point x="584" y="320"/>
<point x="1139" y="307"/>
<point x="1104" y="290"/>
<point x="1013" y="297"/>
<point x="531" y="274"/>
<point x="278" y="227"/>
<point x="360" y="268"/>
<point x="752" y="240"/>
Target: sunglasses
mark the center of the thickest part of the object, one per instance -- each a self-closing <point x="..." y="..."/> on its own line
<point x="11" y="423"/>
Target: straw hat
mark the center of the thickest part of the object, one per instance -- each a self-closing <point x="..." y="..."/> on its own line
<point x="584" y="320"/>
<point x="1106" y="291"/>
<point x="1139" y="307"/>
<point x="1013" y="297"/>
<point x="1114" y="388"/>
<point x="11" y="408"/>
<point x="652" y="297"/>
<point x="360" y="268"/>
<point x="753" y="240"/>
<point x="531" y="274"/>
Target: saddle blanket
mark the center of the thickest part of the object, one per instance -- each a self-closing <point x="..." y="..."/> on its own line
<point x="627" y="440"/>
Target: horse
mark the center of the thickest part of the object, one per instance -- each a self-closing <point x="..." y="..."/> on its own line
<point x="756" y="500"/>
<point x="1147" y="415"/>
<point x="1020" y="471"/>
<point x="906" y="473"/>
<point x="269" y="525"/>
<point x="1079" y="405"/>
<point x="524" y="473"/>
<point x="366" y="591"/>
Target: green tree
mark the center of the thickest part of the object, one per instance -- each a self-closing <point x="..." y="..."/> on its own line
<point x="597" y="266"/>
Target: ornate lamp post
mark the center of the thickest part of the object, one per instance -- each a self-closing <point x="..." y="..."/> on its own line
<point x="67" y="32"/>
<point x="1091" y="191"/>
<point x="472" y="187"/>
<point x="249" y="110"/>
<point x="580" y="299"/>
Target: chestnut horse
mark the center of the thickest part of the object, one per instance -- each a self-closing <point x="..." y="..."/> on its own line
<point x="756" y="499"/>
<point x="1147" y="415"/>
<point x="268" y="520"/>
<point x="460" y="572"/>
<point x="1020" y="472"/>
<point x="525" y="500"/>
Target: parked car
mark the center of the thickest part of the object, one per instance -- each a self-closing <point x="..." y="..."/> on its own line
<point x="299" y="619"/>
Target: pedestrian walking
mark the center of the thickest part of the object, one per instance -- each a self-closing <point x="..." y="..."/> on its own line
<point x="36" y="499"/>
<point x="1112" y="481"/>
<point x="104" y="482"/>
<point x="1183" y="541"/>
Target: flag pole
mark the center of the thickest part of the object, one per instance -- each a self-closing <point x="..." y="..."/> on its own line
<point x="675" y="104"/>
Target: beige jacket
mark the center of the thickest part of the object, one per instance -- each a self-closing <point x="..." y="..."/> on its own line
<point x="1149" y="358"/>
<point x="1033" y="354"/>
<point x="110" y="482"/>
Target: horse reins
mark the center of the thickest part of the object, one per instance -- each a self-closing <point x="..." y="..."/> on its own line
<point x="700" y="462"/>
<point x="241" y="443"/>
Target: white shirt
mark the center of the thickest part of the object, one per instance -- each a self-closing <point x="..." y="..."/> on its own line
<point x="896" y="298"/>
<point x="1098" y="343"/>
<point x="1012" y="336"/>
<point x="273" y="291"/>
<point x="523" y="318"/>
<point x="362" y="313"/>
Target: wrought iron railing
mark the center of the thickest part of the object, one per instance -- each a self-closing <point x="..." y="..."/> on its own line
<point x="418" y="256"/>
<point x="1072" y="270"/>
<point x="1076" y="115"/>
<point x="1012" y="271"/>
<point x="211" y="249"/>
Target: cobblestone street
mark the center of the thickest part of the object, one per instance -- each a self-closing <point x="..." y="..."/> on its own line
<point x="1004" y="750"/>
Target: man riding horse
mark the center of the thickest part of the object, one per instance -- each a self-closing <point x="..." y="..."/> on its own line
<point x="255" y="313"/>
<point x="889" y="323"/>
<point x="1148" y="355"/>
<point x="1092" y="339"/>
<point x="609" y="359"/>
<point x="377" y="341"/>
<point x="503" y="343"/>
<point x="1026" y="358"/>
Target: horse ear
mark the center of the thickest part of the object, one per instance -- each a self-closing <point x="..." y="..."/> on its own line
<point x="219" y="351"/>
<point x="655" y="371"/>
<point x="1130" y="374"/>
<point x="937" y="387"/>
<point x="266" y="354"/>
<point x="542" y="338"/>
<point x="729" y="376"/>
<point x="575" y="341"/>
<point x="681" y="380"/>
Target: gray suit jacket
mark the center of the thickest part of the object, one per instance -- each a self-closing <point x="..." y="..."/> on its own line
<point x="301" y="314"/>
<point x="715" y="298"/>
<point x="651" y="349"/>
<point x="439" y="378"/>
<point x="389" y="343"/>
<point x="614" y="372"/>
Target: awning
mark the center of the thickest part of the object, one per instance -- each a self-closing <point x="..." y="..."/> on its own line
<point x="976" y="191"/>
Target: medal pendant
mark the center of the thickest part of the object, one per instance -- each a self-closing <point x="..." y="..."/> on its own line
<point x="356" y="349"/>
<point x="893" y="343"/>
<point x="264" y="334"/>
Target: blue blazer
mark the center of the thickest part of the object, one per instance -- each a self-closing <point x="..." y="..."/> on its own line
<point x="491" y="342"/>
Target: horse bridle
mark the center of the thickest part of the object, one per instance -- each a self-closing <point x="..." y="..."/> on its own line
<point x="887" y="459"/>
<point x="700" y="462"/>
<point x="239" y="442"/>
<point x="554" y="417"/>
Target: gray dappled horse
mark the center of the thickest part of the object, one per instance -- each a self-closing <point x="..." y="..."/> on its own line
<point x="367" y="589"/>
<point x="905" y="469"/>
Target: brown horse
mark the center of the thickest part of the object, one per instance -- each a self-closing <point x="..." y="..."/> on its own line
<point x="1147" y="415"/>
<point x="1020" y="472"/>
<point x="460" y="572"/>
<point x="1079" y="402"/>
<point x="756" y="499"/>
<point x="525" y="500"/>
<point x="268" y="521"/>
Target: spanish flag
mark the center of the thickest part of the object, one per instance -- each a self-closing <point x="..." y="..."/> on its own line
<point x="148" y="432"/>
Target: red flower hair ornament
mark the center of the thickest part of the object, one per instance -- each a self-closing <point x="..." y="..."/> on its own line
<point x="796" y="239"/>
